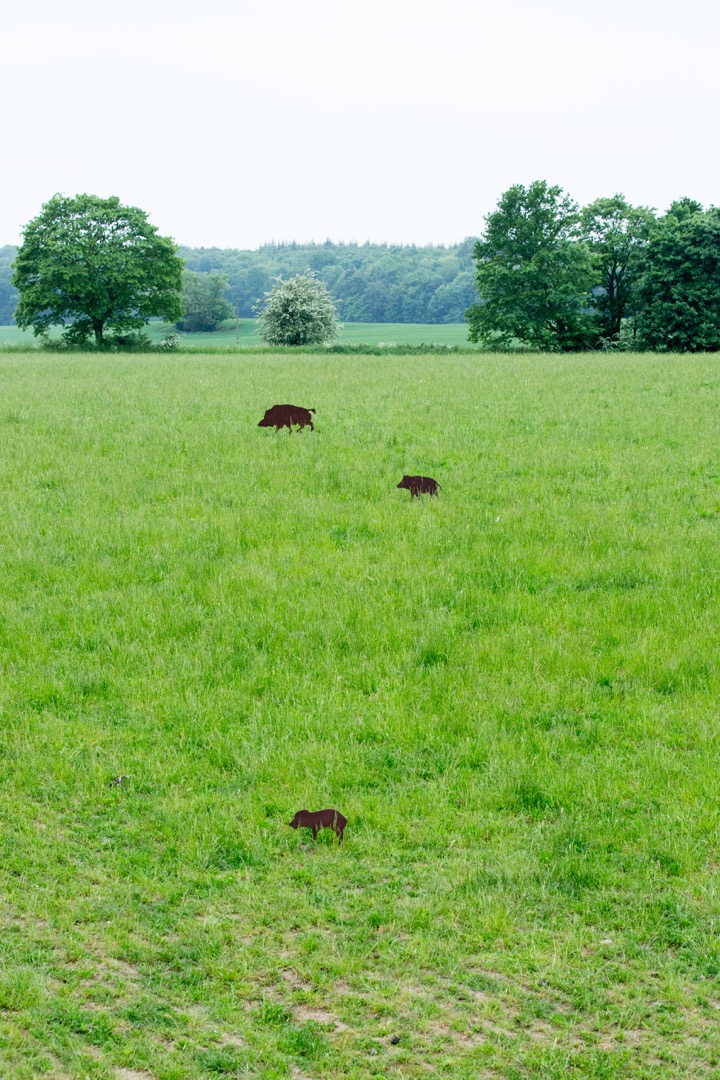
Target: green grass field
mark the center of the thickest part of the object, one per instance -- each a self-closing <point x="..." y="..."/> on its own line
<point x="351" y="334"/>
<point x="512" y="692"/>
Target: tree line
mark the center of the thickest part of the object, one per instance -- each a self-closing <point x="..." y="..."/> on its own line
<point x="370" y="282"/>
<point x="549" y="274"/>
<point x="556" y="276"/>
<point x="8" y="292"/>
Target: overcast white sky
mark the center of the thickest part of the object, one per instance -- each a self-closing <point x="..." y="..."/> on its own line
<point x="234" y="123"/>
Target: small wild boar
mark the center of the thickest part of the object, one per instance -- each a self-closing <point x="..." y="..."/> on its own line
<point x="281" y="416"/>
<point x="320" y="819"/>
<point x="419" y="485"/>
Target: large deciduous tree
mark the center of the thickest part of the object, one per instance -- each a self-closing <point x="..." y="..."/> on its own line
<point x="299" y="311"/>
<point x="204" y="301"/>
<point x="680" y="287"/>
<point x="533" y="273"/>
<point x="617" y="235"/>
<point x="93" y="265"/>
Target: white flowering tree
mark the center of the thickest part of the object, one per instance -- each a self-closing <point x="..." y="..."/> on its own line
<point x="299" y="311"/>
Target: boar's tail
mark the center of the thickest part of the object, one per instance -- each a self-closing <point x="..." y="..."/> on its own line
<point x="311" y="410"/>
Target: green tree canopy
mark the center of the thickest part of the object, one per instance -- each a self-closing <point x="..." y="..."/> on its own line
<point x="684" y="208"/>
<point x="371" y="282"/>
<point x="299" y="311"/>
<point x="92" y="265"/>
<point x="617" y="235"/>
<point x="533" y="274"/>
<point x="680" y="286"/>
<point x="204" y="301"/>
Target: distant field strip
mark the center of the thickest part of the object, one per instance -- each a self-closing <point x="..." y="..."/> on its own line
<point x="511" y="691"/>
<point x="351" y="334"/>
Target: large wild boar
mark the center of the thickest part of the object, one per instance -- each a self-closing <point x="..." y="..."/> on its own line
<point x="419" y="485"/>
<point x="281" y="416"/>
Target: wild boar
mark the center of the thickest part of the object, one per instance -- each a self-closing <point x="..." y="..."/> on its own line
<point x="320" y="819"/>
<point x="281" y="416"/>
<point x="419" y="485"/>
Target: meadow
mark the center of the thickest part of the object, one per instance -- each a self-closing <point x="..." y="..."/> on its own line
<point x="511" y="691"/>
<point x="247" y="334"/>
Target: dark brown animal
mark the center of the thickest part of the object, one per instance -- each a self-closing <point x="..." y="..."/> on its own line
<point x="281" y="416"/>
<point x="320" y="819"/>
<point x="419" y="485"/>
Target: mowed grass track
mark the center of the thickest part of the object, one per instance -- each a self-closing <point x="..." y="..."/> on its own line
<point x="511" y="691"/>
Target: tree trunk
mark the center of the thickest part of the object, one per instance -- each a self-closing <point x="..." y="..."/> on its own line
<point x="98" y="329"/>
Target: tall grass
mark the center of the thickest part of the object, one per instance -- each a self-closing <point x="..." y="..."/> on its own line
<point x="511" y="691"/>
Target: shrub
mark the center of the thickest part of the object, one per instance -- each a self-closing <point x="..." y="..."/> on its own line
<point x="299" y="311"/>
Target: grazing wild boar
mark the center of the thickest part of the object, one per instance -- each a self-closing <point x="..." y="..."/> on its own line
<point x="319" y="819"/>
<point x="281" y="416"/>
<point x="419" y="485"/>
